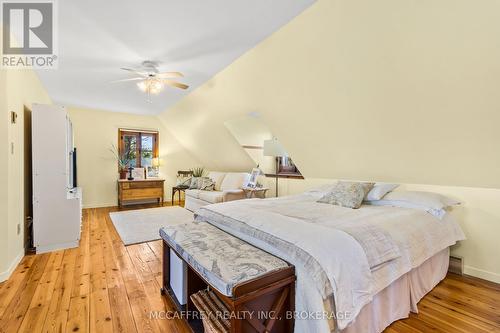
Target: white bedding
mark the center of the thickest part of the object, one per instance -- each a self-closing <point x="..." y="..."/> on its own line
<point x="297" y="225"/>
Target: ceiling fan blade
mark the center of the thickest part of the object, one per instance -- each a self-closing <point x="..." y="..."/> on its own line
<point x="175" y="84"/>
<point x="135" y="71"/>
<point x="125" y="80"/>
<point x="169" y="74"/>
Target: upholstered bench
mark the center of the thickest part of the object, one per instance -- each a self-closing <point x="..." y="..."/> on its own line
<point x="254" y="285"/>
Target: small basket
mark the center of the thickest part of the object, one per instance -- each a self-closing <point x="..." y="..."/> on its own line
<point x="213" y="311"/>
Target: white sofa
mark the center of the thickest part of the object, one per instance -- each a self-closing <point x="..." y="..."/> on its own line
<point x="228" y="187"/>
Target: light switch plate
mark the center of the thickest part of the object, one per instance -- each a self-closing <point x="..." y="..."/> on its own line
<point x="13" y="117"/>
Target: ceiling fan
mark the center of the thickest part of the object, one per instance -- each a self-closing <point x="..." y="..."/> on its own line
<point x="151" y="81"/>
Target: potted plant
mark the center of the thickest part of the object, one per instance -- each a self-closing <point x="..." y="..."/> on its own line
<point x="198" y="172"/>
<point x="122" y="159"/>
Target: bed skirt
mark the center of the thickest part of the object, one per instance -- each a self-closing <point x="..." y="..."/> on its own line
<point x="401" y="297"/>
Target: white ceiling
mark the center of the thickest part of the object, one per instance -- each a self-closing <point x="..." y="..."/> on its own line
<point x="197" y="38"/>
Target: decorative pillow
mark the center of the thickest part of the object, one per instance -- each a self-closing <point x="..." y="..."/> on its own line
<point x="184" y="181"/>
<point x="206" y="184"/>
<point x="347" y="194"/>
<point x="379" y="190"/>
<point x="217" y="177"/>
<point x="194" y="183"/>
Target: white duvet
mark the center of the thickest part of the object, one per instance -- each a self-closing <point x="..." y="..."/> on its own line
<point x="310" y="235"/>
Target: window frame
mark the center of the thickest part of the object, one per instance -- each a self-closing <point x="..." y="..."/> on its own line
<point x="289" y="171"/>
<point x="139" y="133"/>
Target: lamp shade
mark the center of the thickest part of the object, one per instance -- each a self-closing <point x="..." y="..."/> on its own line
<point x="273" y="148"/>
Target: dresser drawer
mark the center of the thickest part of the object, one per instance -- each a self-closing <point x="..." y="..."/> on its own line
<point x="148" y="184"/>
<point x="141" y="193"/>
<point x="140" y="190"/>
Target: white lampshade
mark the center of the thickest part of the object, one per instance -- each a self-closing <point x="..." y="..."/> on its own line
<point x="274" y="148"/>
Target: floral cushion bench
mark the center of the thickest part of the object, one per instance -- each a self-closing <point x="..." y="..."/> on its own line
<point x="256" y="287"/>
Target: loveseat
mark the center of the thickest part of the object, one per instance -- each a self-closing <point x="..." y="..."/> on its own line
<point x="228" y="187"/>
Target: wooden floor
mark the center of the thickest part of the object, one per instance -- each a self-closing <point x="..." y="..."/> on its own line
<point x="103" y="286"/>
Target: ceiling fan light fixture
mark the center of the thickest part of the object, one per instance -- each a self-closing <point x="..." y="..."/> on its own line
<point x="151" y="81"/>
<point x="142" y="85"/>
<point x="151" y="86"/>
<point x="156" y="86"/>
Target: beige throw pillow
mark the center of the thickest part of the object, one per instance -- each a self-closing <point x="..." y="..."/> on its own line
<point x="194" y="183"/>
<point x="206" y="184"/>
<point x="184" y="181"/>
<point x="347" y="194"/>
<point x="217" y="177"/>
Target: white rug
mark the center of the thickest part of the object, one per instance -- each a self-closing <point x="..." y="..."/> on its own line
<point x="143" y="225"/>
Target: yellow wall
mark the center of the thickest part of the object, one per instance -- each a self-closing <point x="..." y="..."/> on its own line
<point x="387" y="90"/>
<point x="21" y="88"/>
<point x="94" y="133"/>
<point x="390" y="90"/>
<point x="3" y="173"/>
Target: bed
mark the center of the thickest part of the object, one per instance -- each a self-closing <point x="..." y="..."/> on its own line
<point x="357" y="270"/>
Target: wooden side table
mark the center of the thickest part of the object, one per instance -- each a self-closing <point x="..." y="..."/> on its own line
<point x="140" y="189"/>
<point x="179" y="189"/>
<point x="257" y="192"/>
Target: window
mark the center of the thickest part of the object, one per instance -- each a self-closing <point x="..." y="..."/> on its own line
<point x="286" y="166"/>
<point x="140" y="147"/>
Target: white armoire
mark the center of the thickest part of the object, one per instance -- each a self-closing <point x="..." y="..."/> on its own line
<point x="57" y="202"/>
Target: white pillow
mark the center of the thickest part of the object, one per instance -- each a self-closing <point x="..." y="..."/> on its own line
<point x="426" y="199"/>
<point x="379" y="191"/>
<point x="217" y="178"/>
<point x="433" y="203"/>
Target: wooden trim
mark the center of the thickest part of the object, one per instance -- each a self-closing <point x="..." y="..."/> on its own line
<point x="285" y="175"/>
<point x="138" y="134"/>
<point x="137" y="130"/>
<point x="252" y="147"/>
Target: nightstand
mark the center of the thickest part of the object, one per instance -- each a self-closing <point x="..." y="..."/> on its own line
<point x="257" y="192"/>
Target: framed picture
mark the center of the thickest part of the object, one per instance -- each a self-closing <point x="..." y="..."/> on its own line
<point x="152" y="172"/>
<point x="253" y="177"/>
<point x="138" y="173"/>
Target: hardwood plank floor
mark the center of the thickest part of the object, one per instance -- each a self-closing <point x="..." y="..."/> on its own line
<point x="103" y="286"/>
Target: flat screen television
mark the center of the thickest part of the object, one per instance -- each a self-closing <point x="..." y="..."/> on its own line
<point x="72" y="169"/>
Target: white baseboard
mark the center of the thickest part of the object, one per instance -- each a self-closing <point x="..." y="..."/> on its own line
<point x="100" y="205"/>
<point x="6" y="274"/>
<point x="482" y="274"/>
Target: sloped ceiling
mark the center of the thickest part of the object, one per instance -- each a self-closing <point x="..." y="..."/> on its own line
<point x="378" y="90"/>
<point x="197" y="38"/>
<point x="251" y="132"/>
